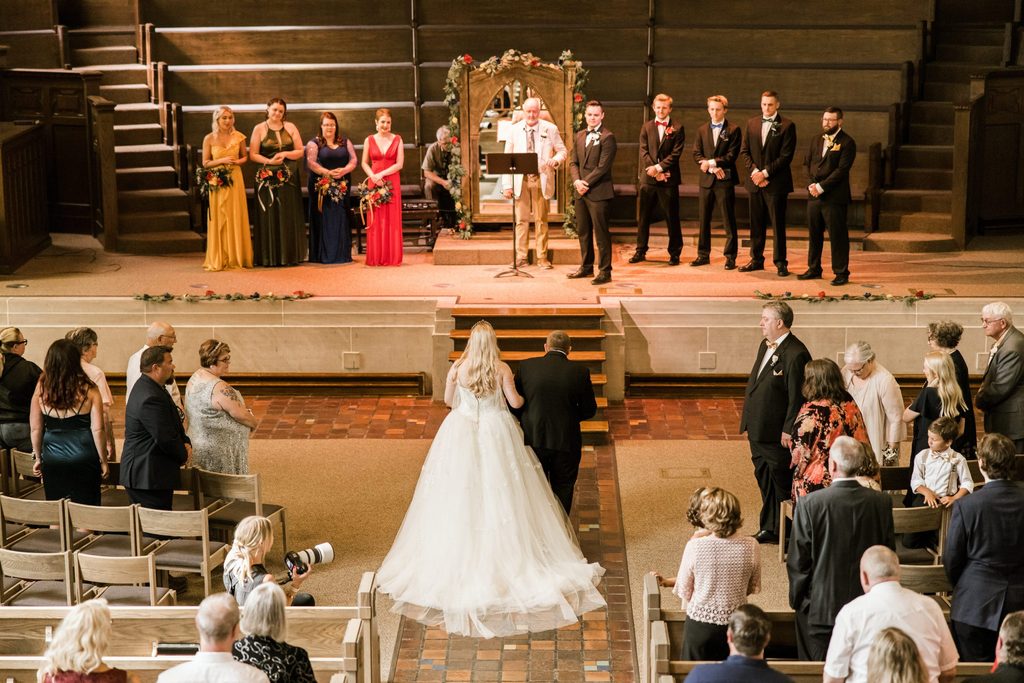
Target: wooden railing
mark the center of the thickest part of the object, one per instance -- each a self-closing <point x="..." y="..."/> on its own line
<point x="105" y="217"/>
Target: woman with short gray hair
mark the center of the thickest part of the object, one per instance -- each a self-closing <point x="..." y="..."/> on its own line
<point x="878" y="396"/>
<point x="264" y="626"/>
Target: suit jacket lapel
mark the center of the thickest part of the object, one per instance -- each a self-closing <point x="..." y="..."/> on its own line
<point x="588" y="149"/>
<point x="665" y="139"/>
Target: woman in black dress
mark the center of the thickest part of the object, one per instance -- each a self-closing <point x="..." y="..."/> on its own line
<point x="945" y="336"/>
<point x="67" y="428"/>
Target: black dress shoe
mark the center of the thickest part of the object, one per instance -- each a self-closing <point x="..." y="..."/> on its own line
<point x="638" y="257"/>
<point x="751" y="266"/>
<point x="730" y="264"/>
<point x="674" y="261"/>
<point x="766" y="537"/>
<point x="702" y="261"/>
<point x="809" y="275"/>
<point x="840" y="280"/>
<point x="783" y="271"/>
<point x="580" y="273"/>
<point x="601" y="279"/>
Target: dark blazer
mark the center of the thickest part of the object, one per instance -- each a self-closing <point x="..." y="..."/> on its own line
<point x="559" y="395"/>
<point x="724" y="153"/>
<point x="17" y="383"/>
<point x="775" y="156"/>
<point x="665" y="152"/>
<point x="984" y="558"/>
<point x="1005" y="673"/>
<point x="737" y="669"/>
<point x="154" y="439"/>
<point x="1001" y="395"/>
<point x="773" y="397"/>
<point x="831" y="530"/>
<point x="594" y="164"/>
<point x="832" y="171"/>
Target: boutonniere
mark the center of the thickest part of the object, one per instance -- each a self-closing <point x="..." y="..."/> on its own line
<point x="669" y="131"/>
<point x="723" y="136"/>
<point x="774" y="360"/>
<point x="774" y="129"/>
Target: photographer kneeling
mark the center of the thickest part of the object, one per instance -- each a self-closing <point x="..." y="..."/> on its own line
<point x="243" y="567"/>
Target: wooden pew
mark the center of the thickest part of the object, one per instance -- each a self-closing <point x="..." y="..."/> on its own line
<point x="37" y="49"/>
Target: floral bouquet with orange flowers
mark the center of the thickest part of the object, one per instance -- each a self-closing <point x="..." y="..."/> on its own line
<point x="271" y="178"/>
<point x="331" y="188"/>
<point x="211" y="179"/>
<point x="372" y="197"/>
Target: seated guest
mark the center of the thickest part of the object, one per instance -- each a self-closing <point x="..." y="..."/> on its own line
<point x="219" y="424"/>
<point x="75" y="654"/>
<point x="748" y="635"/>
<point x="436" y="185"/>
<point x="718" y="571"/>
<point x="945" y="337"/>
<point x="940" y="477"/>
<point x="217" y="623"/>
<point x="894" y="658"/>
<point x="983" y="557"/>
<point x="1009" y="652"/>
<point x="264" y="646"/>
<point x="18" y="379"/>
<point x="867" y="472"/>
<point x="88" y="343"/>
<point x="243" y="567"/>
<point x="886" y="604"/>
<point x="878" y="396"/>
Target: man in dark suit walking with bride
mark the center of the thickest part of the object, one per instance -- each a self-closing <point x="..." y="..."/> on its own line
<point x="559" y="395"/>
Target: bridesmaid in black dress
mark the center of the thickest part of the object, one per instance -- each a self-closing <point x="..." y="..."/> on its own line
<point x="279" y="228"/>
<point x="67" y="428"/>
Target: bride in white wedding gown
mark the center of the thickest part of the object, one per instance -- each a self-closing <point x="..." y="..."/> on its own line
<point x="485" y="548"/>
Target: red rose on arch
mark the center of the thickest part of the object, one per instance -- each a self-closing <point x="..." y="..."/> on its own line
<point x="208" y="292"/>
<point x="467" y="59"/>
<point x="298" y="292"/>
<point x="455" y="140"/>
<point x="534" y="62"/>
<point x="462" y="224"/>
<point x="919" y="293"/>
<point x="821" y="295"/>
<point x="578" y="97"/>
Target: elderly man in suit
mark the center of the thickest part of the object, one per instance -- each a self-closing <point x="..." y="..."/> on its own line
<point x="662" y="141"/>
<point x="533" y="192"/>
<point x="1001" y="395"/>
<point x="832" y="528"/>
<point x="748" y="635"/>
<point x="828" y="161"/>
<point x="769" y="144"/>
<point x="983" y="556"/>
<point x="715" y="150"/>
<point x="772" y="400"/>
<point x="155" y="443"/>
<point x="591" y="170"/>
<point x="1009" y="652"/>
<point x="559" y="395"/>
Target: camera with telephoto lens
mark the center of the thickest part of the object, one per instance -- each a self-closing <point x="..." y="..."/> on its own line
<point x="298" y="561"/>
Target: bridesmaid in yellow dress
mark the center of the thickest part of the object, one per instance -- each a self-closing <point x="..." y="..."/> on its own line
<point x="228" y="244"/>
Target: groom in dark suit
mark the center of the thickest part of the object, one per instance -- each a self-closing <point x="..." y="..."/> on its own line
<point x="559" y="395"/>
<point x="591" y="171"/>
<point x="772" y="401"/>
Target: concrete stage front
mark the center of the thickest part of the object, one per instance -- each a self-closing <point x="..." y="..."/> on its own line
<point x="659" y="319"/>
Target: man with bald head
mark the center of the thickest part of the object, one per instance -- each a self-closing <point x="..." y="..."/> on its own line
<point x="532" y="193"/>
<point x="158" y="334"/>
<point x="886" y="604"/>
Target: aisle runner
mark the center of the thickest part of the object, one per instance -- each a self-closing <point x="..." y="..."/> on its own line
<point x="597" y="649"/>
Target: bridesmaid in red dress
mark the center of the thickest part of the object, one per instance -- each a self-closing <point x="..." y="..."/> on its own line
<point x="383" y="157"/>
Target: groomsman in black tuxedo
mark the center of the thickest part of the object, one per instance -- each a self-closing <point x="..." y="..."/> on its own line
<point x="662" y="141"/>
<point x="591" y="171"/>
<point x="828" y="162"/>
<point x="715" y="150"/>
<point x="769" y="144"/>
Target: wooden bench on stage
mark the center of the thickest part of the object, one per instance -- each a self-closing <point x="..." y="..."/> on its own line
<point x="344" y="638"/>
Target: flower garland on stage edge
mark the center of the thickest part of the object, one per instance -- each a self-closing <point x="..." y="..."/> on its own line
<point x="210" y="295"/>
<point x="822" y="297"/>
<point x="456" y="171"/>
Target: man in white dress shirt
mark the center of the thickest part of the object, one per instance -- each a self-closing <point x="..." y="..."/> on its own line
<point x="533" y="192"/>
<point x="217" y="622"/>
<point x="885" y="604"/>
<point x="158" y="334"/>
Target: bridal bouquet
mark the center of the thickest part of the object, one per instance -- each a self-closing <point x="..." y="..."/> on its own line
<point x="372" y="197"/>
<point x="211" y="179"/>
<point x="271" y="178"/>
<point x="331" y="188"/>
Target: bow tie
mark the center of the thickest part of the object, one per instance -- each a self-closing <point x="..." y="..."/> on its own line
<point x="662" y="123"/>
<point x="771" y="120"/>
<point x="772" y="345"/>
<point x="828" y="138"/>
<point x="945" y="456"/>
<point x="593" y="131"/>
<point x="717" y="125"/>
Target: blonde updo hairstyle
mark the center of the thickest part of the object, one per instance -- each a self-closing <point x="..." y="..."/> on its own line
<point x="210" y="352"/>
<point x="254" y="537"/>
<point x="80" y="641"/>
<point x="216" y="116"/>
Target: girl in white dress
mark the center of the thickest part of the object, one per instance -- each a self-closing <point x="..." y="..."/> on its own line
<point x="485" y="548"/>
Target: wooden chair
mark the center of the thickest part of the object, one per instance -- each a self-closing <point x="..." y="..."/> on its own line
<point x="189" y="549"/>
<point x="23" y="483"/>
<point x="231" y="498"/>
<point x="49" y="577"/>
<point x="915" y="520"/>
<point x="185" y="497"/>
<point x="785" y="513"/>
<point x="52" y="534"/>
<point x="5" y="472"/>
<point x="115" y="530"/>
<point x="928" y="579"/>
<point x="124" y="581"/>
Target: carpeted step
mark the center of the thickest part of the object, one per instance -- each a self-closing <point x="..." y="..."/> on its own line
<point x="146" y="178"/>
<point x="138" y="156"/>
<point x="138" y="134"/>
<point x="937" y="201"/>
<point x="172" y="242"/>
<point x="154" y="222"/>
<point x="540" y="334"/>
<point x="518" y="356"/>
<point x="126" y="94"/>
<point x="164" y="199"/>
<point x="909" y="242"/>
<point x="917" y="221"/>
<point x="113" y="54"/>
<point x="136" y="113"/>
<point x="120" y="74"/>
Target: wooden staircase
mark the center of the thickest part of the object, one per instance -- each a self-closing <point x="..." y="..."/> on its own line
<point x="521" y="332"/>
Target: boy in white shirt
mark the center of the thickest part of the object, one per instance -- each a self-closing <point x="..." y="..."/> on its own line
<point x="940" y="477"/>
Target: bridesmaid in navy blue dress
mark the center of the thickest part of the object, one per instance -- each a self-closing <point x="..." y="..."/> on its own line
<point x="329" y="154"/>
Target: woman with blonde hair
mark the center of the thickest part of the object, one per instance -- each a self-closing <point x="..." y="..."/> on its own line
<point x="894" y="658"/>
<point x="486" y="549"/>
<point x="75" y="654"/>
<point x="228" y="244"/>
<point x="264" y="646"/>
<point x="939" y="397"/>
<point x="244" y="569"/>
<point x="718" y="571"/>
<point x="18" y="379"/>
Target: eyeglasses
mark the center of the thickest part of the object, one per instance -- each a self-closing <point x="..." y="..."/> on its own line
<point x="859" y="370"/>
<point x="990" y="321"/>
<point x="225" y="359"/>
<point x="23" y="341"/>
<point x="172" y="337"/>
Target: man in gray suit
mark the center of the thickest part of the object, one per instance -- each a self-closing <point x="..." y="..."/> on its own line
<point x="1001" y="395"/>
